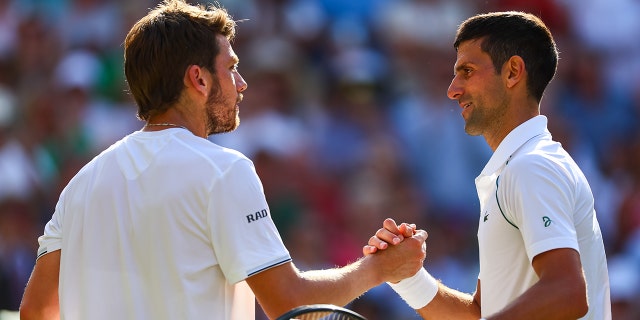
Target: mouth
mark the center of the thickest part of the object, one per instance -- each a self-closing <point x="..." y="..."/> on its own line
<point x="466" y="109"/>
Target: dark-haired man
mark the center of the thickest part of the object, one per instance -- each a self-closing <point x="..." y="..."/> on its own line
<point x="541" y="250"/>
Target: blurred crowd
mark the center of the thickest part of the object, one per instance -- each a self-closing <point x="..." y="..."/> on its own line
<point x="346" y="119"/>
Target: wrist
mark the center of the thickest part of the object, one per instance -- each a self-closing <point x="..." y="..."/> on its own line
<point x="418" y="290"/>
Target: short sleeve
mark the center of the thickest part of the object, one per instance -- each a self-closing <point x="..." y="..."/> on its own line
<point x="51" y="239"/>
<point x="244" y="236"/>
<point x="537" y="194"/>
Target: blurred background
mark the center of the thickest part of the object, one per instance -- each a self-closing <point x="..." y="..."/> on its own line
<point x="346" y="118"/>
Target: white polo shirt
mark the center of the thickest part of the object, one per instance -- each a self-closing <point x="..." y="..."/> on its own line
<point x="162" y="225"/>
<point x="534" y="198"/>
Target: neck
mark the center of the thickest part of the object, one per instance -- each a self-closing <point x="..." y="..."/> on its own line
<point x="495" y="138"/>
<point x="177" y="116"/>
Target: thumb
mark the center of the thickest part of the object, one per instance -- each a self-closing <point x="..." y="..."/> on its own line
<point x="421" y="235"/>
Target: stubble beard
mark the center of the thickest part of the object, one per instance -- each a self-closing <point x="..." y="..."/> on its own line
<point x="475" y="123"/>
<point x="221" y="118"/>
<point x="484" y="118"/>
<point x="222" y="121"/>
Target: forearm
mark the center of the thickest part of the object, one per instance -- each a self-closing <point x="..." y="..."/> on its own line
<point x="281" y="288"/>
<point x="284" y="287"/>
<point x="450" y="304"/>
<point x="345" y="284"/>
<point x="339" y="286"/>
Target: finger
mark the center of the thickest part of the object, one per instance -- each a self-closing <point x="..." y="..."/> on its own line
<point x="391" y="226"/>
<point x="406" y="229"/>
<point x="389" y="237"/>
<point x="421" y="235"/>
<point x="377" y="243"/>
<point x="367" y="250"/>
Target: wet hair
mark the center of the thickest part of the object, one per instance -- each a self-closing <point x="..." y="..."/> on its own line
<point x="162" y="45"/>
<point x="506" y="34"/>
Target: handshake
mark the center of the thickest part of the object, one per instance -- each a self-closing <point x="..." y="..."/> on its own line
<point x="420" y="287"/>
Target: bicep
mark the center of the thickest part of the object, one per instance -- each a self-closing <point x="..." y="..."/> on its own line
<point x="560" y="271"/>
<point x="559" y="264"/>
<point x="562" y="280"/>
<point x="41" y="294"/>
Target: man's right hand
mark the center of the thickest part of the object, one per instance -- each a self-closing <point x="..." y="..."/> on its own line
<point x="390" y="233"/>
<point x="404" y="258"/>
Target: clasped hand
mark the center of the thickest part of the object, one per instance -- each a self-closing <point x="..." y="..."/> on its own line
<point x="394" y="234"/>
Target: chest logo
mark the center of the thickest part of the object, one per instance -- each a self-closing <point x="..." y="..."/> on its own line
<point x="547" y="221"/>
<point x="486" y="217"/>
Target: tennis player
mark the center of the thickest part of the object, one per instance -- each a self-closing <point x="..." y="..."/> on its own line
<point x="541" y="250"/>
<point x="165" y="224"/>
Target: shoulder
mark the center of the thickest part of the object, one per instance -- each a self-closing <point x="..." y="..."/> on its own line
<point x="542" y="157"/>
<point x="541" y="168"/>
<point x="203" y="152"/>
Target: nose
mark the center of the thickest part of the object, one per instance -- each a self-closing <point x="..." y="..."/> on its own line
<point x="455" y="90"/>
<point x="241" y="84"/>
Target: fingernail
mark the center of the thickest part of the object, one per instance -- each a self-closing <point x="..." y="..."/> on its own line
<point x="396" y="240"/>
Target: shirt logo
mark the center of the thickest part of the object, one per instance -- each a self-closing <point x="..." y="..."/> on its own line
<point x="547" y="221"/>
<point x="257" y="215"/>
<point x="486" y="217"/>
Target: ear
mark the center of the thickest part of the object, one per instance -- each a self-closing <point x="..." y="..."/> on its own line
<point x="197" y="78"/>
<point x="514" y="71"/>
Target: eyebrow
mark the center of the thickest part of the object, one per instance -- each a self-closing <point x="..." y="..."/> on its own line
<point x="461" y="66"/>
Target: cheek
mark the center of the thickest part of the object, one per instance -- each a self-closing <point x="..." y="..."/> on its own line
<point x="228" y="87"/>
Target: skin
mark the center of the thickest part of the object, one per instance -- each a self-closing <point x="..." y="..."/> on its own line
<point x="493" y="104"/>
<point x="40" y="299"/>
<point x="282" y="288"/>
<point x="209" y="104"/>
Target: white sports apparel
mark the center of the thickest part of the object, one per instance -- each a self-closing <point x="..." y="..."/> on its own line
<point x="534" y="198"/>
<point x="162" y="225"/>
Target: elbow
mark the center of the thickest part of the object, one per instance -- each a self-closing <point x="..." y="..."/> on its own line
<point x="25" y="312"/>
<point x="582" y="308"/>
<point x="579" y="301"/>
<point x="28" y="312"/>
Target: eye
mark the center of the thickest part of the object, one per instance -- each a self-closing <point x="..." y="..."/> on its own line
<point x="466" y="72"/>
<point x="234" y="68"/>
<point x="463" y="71"/>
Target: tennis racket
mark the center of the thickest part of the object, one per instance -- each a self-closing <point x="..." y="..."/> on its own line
<point x="320" y="312"/>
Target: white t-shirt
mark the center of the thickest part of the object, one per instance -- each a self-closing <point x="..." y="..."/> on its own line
<point x="162" y="225"/>
<point x="534" y="198"/>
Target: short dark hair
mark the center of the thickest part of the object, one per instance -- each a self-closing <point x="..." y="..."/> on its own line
<point x="162" y="45"/>
<point x="505" y="34"/>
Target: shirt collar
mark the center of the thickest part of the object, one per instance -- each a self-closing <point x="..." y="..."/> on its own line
<point x="514" y="140"/>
